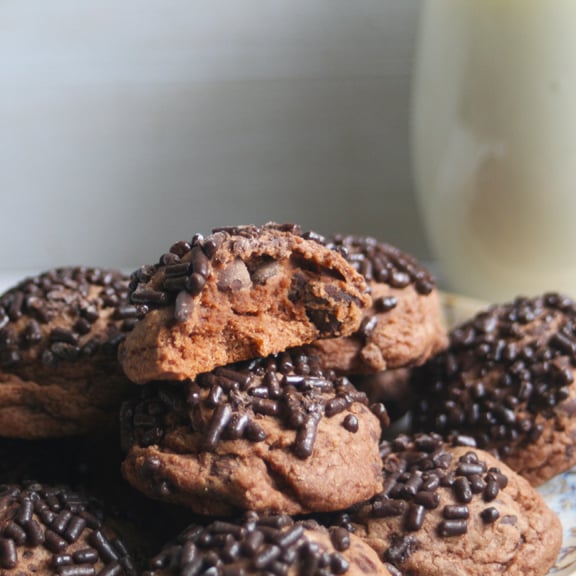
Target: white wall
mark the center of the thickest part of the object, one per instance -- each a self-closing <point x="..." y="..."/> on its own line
<point x="128" y="124"/>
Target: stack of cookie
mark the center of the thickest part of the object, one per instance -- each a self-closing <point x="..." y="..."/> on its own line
<point x="249" y="364"/>
<point x="254" y="421"/>
<point x="249" y="418"/>
<point x="260" y="327"/>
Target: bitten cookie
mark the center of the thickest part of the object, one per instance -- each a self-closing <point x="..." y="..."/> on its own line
<point x="273" y="434"/>
<point x="455" y="511"/>
<point x="48" y="530"/>
<point x="237" y="294"/>
<point x="402" y="326"/>
<point x="59" y="333"/>
<point x="507" y="380"/>
<point x="266" y="545"/>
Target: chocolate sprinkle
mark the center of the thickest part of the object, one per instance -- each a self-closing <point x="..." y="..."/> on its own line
<point x="75" y="298"/>
<point x="415" y="470"/>
<point x="35" y="515"/>
<point x="229" y="402"/>
<point x="503" y="375"/>
<point x="351" y="423"/>
<point x="490" y="515"/>
<point x="263" y="544"/>
<point x="383" y="263"/>
<point x="400" y="549"/>
<point x="452" y="527"/>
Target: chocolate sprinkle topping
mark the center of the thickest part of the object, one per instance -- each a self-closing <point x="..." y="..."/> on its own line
<point x="262" y="544"/>
<point x="229" y="402"/>
<point x="187" y="267"/>
<point x="415" y="469"/>
<point x="505" y="371"/>
<point x="34" y="515"/>
<point x="383" y="263"/>
<point x="72" y="298"/>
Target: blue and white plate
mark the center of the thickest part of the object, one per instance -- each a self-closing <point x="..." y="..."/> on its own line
<point x="560" y="494"/>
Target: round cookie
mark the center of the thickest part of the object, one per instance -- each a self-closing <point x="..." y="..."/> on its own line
<point x="455" y="511"/>
<point x="266" y="545"/>
<point x="47" y="530"/>
<point x="273" y="434"/>
<point x="236" y="294"/>
<point x="507" y="380"/>
<point x="402" y="326"/>
<point x="59" y="334"/>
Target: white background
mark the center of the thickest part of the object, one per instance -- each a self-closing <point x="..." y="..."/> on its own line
<point x="128" y="124"/>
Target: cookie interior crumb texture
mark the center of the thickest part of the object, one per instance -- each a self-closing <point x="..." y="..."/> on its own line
<point x="237" y="294"/>
<point x="403" y="325"/>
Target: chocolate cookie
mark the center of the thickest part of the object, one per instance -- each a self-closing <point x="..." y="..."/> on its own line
<point x="402" y="326"/>
<point x="59" y="333"/>
<point x="457" y="511"/>
<point x="237" y="294"/>
<point x="49" y="530"/>
<point x="507" y="379"/>
<point x="272" y="434"/>
<point x="266" y="545"/>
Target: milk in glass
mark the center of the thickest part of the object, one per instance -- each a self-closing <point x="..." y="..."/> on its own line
<point x="494" y="142"/>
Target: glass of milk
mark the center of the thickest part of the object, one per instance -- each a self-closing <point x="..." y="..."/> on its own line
<point x="494" y="144"/>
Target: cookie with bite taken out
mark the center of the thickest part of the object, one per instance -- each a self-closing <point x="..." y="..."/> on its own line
<point x="238" y="293"/>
